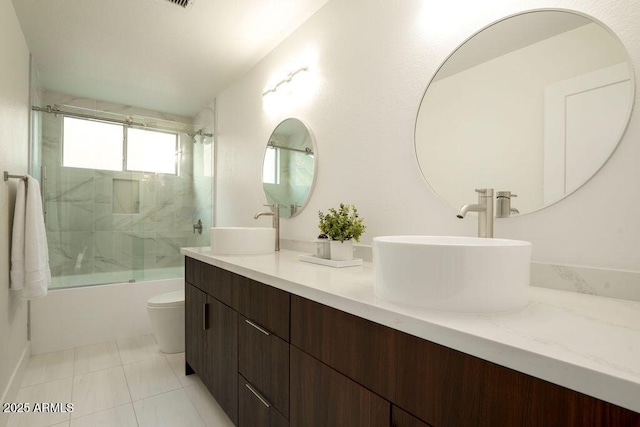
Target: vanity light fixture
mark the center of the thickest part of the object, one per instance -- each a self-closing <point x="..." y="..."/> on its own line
<point x="289" y="77"/>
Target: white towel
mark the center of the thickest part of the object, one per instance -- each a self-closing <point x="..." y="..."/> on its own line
<point x="17" y="239"/>
<point x="29" y="253"/>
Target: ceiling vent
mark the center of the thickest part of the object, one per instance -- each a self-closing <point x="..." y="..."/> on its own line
<point x="182" y="3"/>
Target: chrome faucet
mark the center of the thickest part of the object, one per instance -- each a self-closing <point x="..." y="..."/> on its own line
<point x="197" y="227"/>
<point x="484" y="207"/>
<point x="275" y="213"/>
<point x="294" y="209"/>
<point x="503" y="204"/>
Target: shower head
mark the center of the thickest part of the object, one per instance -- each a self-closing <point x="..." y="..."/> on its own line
<point x="201" y="133"/>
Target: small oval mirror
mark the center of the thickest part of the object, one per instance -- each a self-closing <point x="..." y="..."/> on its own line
<point x="289" y="165"/>
<point x="534" y="104"/>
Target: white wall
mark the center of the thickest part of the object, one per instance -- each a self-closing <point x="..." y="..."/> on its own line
<point x="14" y="129"/>
<point x="203" y="171"/>
<point x="373" y="61"/>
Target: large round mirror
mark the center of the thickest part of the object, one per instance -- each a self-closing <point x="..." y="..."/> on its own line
<point x="288" y="169"/>
<point x="534" y="104"/>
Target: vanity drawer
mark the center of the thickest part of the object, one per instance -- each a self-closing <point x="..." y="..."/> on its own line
<point x="263" y="359"/>
<point x="264" y="305"/>
<point x="212" y="280"/>
<point x="255" y="410"/>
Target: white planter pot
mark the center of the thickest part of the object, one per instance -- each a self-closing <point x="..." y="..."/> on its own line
<point x="341" y="251"/>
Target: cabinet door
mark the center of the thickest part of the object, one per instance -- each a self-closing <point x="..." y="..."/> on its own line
<point x="323" y="397"/>
<point x="211" y="346"/>
<point x="400" y="418"/>
<point x="264" y="361"/>
<point x="221" y="356"/>
<point x="195" y="328"/>
<point x="356" y="347"/>
<point x="254" y="409"/>
<point x="442" y="386"/>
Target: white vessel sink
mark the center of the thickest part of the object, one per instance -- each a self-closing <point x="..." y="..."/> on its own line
<point x="463" y="274"/>
<point x="242" y="240"/>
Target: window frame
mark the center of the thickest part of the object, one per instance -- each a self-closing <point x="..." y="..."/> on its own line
<point x="176" y="151"/>
<point x="123" y="146"/>
<point x="62" y="145"/>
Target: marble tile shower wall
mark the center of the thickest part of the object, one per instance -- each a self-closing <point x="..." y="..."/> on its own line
<point x="86" y="236"/>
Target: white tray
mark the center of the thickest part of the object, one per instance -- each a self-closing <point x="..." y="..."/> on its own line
<point x="330" y="263"/>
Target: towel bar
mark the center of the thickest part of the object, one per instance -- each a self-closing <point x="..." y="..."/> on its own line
<point x="43" y="171"/>
<point x="7" y="175"/>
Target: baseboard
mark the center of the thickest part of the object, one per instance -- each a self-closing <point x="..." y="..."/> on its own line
<point x="11" y="391"/>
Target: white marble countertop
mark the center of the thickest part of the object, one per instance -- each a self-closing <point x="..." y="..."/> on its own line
<point x="586" y="343"/>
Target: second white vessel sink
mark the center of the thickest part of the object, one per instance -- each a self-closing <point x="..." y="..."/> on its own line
<point x="242" y="240"/>
<point x="462" y="274"/>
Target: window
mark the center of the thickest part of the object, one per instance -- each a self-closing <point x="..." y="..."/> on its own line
<point x="271" y="166"/>
<point x="93" y="144"/>
<point x="151" y="151"/>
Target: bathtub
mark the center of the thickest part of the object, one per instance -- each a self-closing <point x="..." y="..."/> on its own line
<point x="79" y="316"/>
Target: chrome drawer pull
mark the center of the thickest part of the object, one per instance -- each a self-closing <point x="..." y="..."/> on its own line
<point x="264" y="331"/>
<point x="258" y="395"/>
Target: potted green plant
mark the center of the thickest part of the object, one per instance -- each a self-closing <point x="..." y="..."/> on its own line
<point x="342" y="226"/>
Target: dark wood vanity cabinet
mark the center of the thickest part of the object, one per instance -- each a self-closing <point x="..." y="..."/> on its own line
<point x="265" y="305"/>
<point x="213" y="281"/>
<point x="222" y="356"/>
<point x="237" y="333"/>
<point x="263" y="351"/>
<point x="440" y="386"/>
<point x="211" y="337"/>
<point x="321" y="396"/>
<point x="264" y="363"/>
<point x="255" y="410"/>
<point x="211" y="342"/>
<point x="195" y="338"/>
<point x="400" y="418"/>
<point x="272" y="359"/>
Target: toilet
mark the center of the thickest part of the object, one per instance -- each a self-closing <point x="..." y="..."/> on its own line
<point x="166" y="313"/>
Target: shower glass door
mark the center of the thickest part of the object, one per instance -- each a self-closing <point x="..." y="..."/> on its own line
<point x="122" y="200"/>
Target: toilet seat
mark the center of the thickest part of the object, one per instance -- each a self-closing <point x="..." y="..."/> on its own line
<point x="170" y="299"/>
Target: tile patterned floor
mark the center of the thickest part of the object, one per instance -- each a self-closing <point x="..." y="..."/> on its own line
<point x="127" y="383"/>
